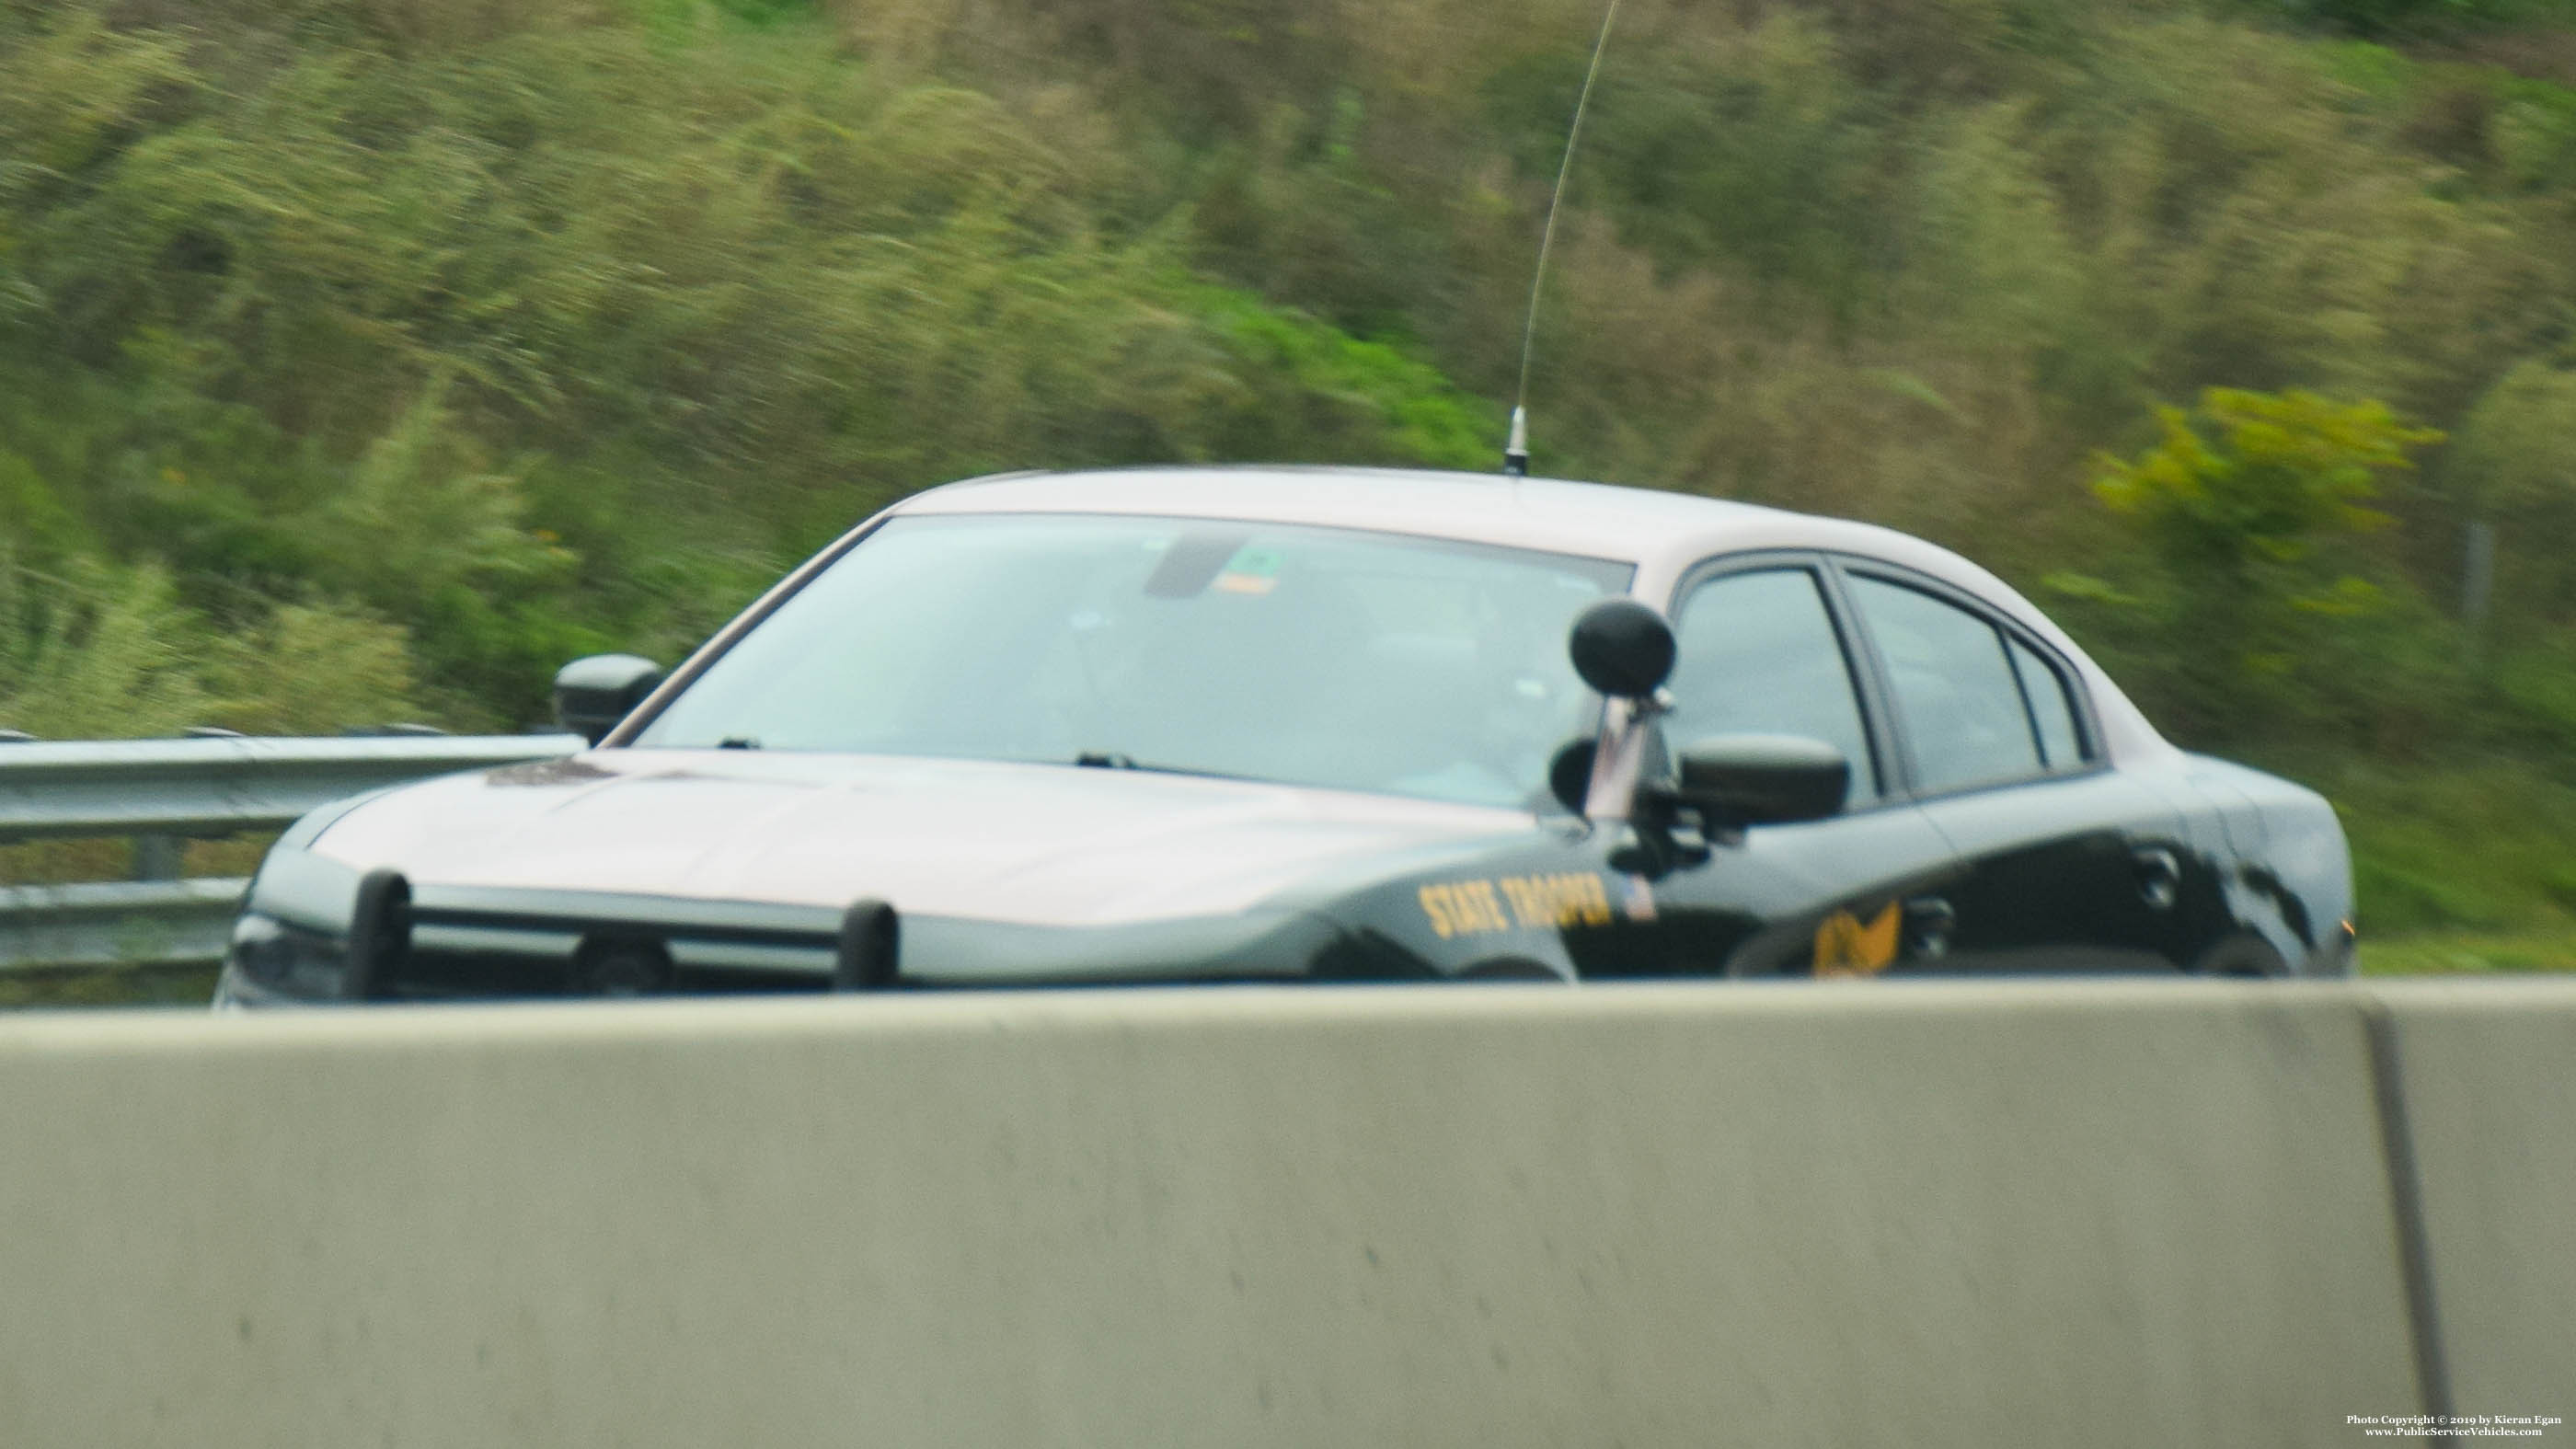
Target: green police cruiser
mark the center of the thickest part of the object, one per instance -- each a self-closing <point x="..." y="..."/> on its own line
<point x="1271" y="724"/>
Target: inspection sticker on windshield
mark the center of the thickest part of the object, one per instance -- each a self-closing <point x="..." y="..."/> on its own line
<point x="1254" y="569"/>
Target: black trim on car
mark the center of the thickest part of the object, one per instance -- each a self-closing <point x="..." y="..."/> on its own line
<point x="1888" y="765"/>
<point x="2095" y="758"/>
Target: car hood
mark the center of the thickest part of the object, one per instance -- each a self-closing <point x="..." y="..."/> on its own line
<point x="1022" y="843"/>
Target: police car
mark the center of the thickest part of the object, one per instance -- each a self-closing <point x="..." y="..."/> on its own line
<point x="1262" y="724"/>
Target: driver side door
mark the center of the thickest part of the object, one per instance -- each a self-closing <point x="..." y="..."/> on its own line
<point x="1764" y="649"/>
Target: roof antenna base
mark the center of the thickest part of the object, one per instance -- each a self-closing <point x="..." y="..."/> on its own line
<point x="1516" y="452"/>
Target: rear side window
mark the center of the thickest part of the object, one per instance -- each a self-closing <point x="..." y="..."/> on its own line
<point x="2059" y="745"/>
<point x="1958" y="693"/>
<point x="1759" y="655"/>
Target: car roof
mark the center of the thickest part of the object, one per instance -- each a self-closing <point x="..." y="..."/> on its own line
<point x="1635" y="525"/>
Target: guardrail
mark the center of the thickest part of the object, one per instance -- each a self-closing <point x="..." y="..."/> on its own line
<point x="162" y="791"/>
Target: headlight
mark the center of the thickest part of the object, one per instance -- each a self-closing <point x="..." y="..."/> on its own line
<point x="287" y="958"/>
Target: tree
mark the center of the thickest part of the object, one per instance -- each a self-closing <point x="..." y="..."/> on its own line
<point x="2251" y="507"/>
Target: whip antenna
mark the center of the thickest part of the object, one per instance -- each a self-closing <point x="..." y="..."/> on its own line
<point x="1516" y="449"/>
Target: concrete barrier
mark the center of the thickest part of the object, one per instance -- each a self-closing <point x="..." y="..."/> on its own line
<point x="2489" y="1078"/>
<point x="2103" y="1214"/>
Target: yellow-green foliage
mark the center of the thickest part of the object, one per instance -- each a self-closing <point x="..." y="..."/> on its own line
<point x="2253" y="511"/>
<point x="2283" y="473"/>
<point x="97" y="651"/>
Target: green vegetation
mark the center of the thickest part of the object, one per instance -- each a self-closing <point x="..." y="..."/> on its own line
<point x="156" y="986"/>
<point x="2248" y="547"/>
<point x="2468" y="952"/>
<point x="362" y="360"/>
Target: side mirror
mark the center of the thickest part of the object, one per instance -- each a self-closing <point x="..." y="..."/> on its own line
<point x="593" y="694"/>
<point x="1569" y="774"/>
<point x="1622" y="648"/>
<point x="1762" y="779"/>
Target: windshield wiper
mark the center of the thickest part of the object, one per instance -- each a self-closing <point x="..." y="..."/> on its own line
<point x="1113" y="760"/>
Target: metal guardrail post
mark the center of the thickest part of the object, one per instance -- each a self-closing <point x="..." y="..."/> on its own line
<point x="158" y="857"/>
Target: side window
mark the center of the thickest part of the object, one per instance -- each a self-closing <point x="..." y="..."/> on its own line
<point x="1759" y="655"/>
<point x="1956" y="691"/>
<point x="2059" y="745"/>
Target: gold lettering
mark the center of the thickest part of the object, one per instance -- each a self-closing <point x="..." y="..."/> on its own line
<point x="1435" y="905"/>
<point x="1575" y="898"/>
<point x="1595" y="902"/>
<point x="1525" y="902"/>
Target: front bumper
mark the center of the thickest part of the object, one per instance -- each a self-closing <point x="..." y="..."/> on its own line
<point x="486" y="944"/>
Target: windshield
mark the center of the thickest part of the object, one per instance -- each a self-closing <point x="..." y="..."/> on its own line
<point x="1308" y="656"/>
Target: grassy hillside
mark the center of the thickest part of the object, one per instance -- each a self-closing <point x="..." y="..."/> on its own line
<point x="364" y="359"/>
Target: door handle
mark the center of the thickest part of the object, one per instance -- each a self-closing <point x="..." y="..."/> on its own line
<point x="2159" y="876"/>
<point x="1929" y="920"/>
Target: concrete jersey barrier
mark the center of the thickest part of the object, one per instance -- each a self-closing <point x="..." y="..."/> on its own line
<point x="2489" y="1077"/>
<point x="1934" y="1215"/>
